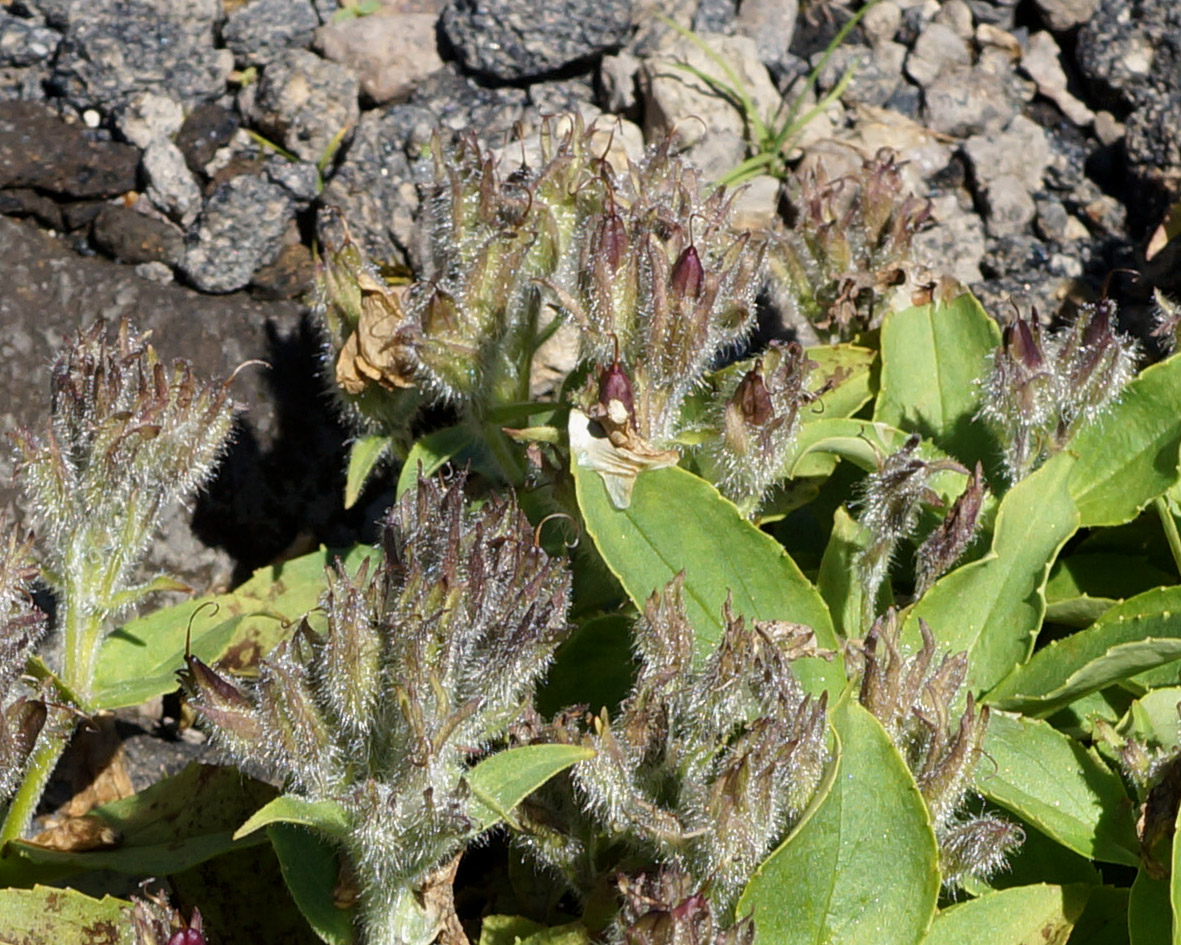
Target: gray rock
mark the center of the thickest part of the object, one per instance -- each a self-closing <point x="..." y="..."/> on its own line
<point x="1053" y="220"/>
<point x="171" y="186"/>
<point x="459" y="104"/>
<point x="390" y="53"/>
<point x="1041" y="63"/>
<point x="876" y="72"/>
<point x="373" y="190"/>
<point x="240" y="229"/>
<point x="1022" y="151"/>
<point x="937" y="49"/>
<point x="1062" y="15"/>
<point x="617" y="75"/>
<point x="39" y="150"/>
<point x="259" y="30"/>
<point x="133" y="237"/>
<point x="964" y="101"/>
<point x="881" y="22"/>
<point x="157" y="272"/>
<point x="716" y="16"/>
<point x="957" y="15"/>
<point x="1009" y="207"/>
<point x="115" y="49"/>
<point x="25" y="42"/>
<point x="518" y="39"/>
<point x="150" y="117"/>
<point x="304" y="102"/>
<point x="207" y="129"/>
<point x="22" y="84"/>
<point x="1002" y="13"/>
<point x="301" y="179"/>
<point x="955" y="244"/>
<point x="771" y="24"/>
<point x="1014" y="254"/>
<point x="562" y="96"/>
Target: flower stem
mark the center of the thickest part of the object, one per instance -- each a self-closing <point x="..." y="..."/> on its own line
<point x="51" y="742"/>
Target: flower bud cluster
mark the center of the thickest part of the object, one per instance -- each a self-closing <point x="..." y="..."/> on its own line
<point x="666" y="909"/>
<point x="426" y="659"/>
<point x="129" y="435"/>
<point x="1041" y="388"/>
<point x="705" y="768"/>
<point x="913" y="697"/>
<point x="21" y="627"/>
<point x="848" y="251"/>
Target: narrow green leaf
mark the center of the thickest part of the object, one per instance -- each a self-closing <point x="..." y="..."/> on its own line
<point x="1129" y="457"/>
<point x="501" y="781"/>
<point x="140" y="659"/>
<point x="311" y="870"/>
<point x="169" y="827"/>
<point x="679" y="521"/>
<point x="1137" y="635"/>
<point x="1150" y="917"/>
<point x="433" y="452"/>
<point x="1024" y="915"/>
<point x="992" y="608"/>
<point x="838" y="580"/>
<point x="1063" y="789"/>
<point x="364" y="455"/>
<point x="1175" y="885"/>
<point x="328" y="817"/>
<point x="932" y="357"/>
<point x="865" y="865"/>
<point x="46" y="915"/>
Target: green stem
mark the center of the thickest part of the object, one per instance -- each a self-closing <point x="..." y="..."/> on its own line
<point x="1170" y="526"/>
<point x="55" y="735"/>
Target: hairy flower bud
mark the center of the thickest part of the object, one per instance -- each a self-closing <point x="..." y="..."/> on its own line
<point x="943" y="547"/>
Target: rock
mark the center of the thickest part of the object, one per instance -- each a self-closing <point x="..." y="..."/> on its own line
<point x="39" y="150"/>
<point x="955" y="244"/>
<point x="240" y="229"/>
<point x="150" y="117"/>
<point x="460" y="105"/>
<point x="26" y="202"/>
<point x="881" y="22"/>
<point x="964" y="101"/>
<point x="617" y="75"/>
<point x="1014" y="254"/>
<point x="207" y="129"/>
<point x="756" y="206"/>
<point x="391" y="53"/>
<point x="937" y="49"/>
<point x="1053" y="220"/>
<point x="1022" y="151"/>
<point x="771" y="24"/>
<point x="1009" y="207"/>
<point x="1062" y="15"/>
<point x="301" y="179"/>
<point x="1107" y="128"/>
<point x="22" y="84"/>
<point x="712" y="130"/>
<point x="171" y="186"/>
<point x="921" y="153"/>
<point x="373" y="189"/>
<point x="519" y="39"/>
<point x="157" y="272"/>
<point x="133" y="237"/>
<point x="25" y="42"/>
<point x="562" y="96"/>
<point x="305" y="103"/>
<point x="1041" y="63"/>
<point x="876" y="72"/>
<point x="259" y="30"/>
<point x="291" y="275"/>
<point x="717" y="16"/>
<point x="115" y="49"/>
<point x="1000" y="13"/>
<point x="957" y="15"/>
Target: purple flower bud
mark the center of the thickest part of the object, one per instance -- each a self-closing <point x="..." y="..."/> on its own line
<point x="1023" y="343"/>
<point x="688" y="275"/>
<point x="615" y="384"/>
<point x="753" y="398"/>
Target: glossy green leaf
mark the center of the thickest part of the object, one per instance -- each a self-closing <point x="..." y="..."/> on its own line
<point x="992" y="608"/>
<point x="851" y="370"/>
<point x="365" y="453"/>
<point x="435" y="450"/>
<point x="1153" y="718"/>
<point x="838" y="580"/>
<point x="1129" y="456"/>
<point x="140" y="659"/>
<point x="679" y="521"/>
<point x="517" y="930"/>
<point x="1023" y="915"/>
<point x="326" y="816"/>
<point x="1150" y="918"/>
<point x="46" y="915"/>
<point x="1063" y="789"/>
<point x="864" y="867"/>
<point x="1137" y="635"/>
<point x="169" y="827"/>
<point x="311" y="870"/>
<point x="501" y="781"/>
<point x="1083" y="587"/>
<point x="932" y="357"/>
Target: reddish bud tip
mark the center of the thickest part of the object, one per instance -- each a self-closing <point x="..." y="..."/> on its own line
<point x="688" y="274"/>
<point x="614" y="384"/>
<point x="753" y="398"/>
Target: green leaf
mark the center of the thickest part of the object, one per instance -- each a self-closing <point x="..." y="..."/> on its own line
<point x="501" y="781"/>
<point x="1024" y="915"/>
<point x="1061" y="788"/>
<point x="433" y="452"/>
<point x="932" y="357"/>
<point x="865" y="862"/>
<point x="838" y="580"/>
<point x="1150" y="917"/>
<point x="364" y="455"/>
<point x="1137" y="635"/>
<point x="311" y="870"/>
<point x="517" y="930"/>
<point x="992" y="608"/>
<point x="1038" y="860"/>
<point x="1153" y="719"/>
<point x="1129" y="456"/>
<point x="169" y="827"/>
<point x="679" y="521"/>
<point x="140" y="659"/>
<point x="328" y="817"/>
<point x="1105" y="919"/>
<point x="852" y="387"/>
<point x="593" y="666"/>
<point x="46" y="915"/>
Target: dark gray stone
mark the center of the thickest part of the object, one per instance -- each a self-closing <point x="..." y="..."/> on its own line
<point x="1002" y="13"/>
<point x="301" y="179"/>
<point x="22" y="84"/>
<point x="259" y="30"/>
<point x="133" y="237"/>
<point x="24" y="42"/>
<point x="37" y="149"/>
<point x="115" y="49"/>
<point x="714" y="16"/>
<point x="876" y="75"/>
<point x="240" y="229"/>
<point x="207" y="129"/>
<point x="460" y="105"/>
<point x="519" y="39"/>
